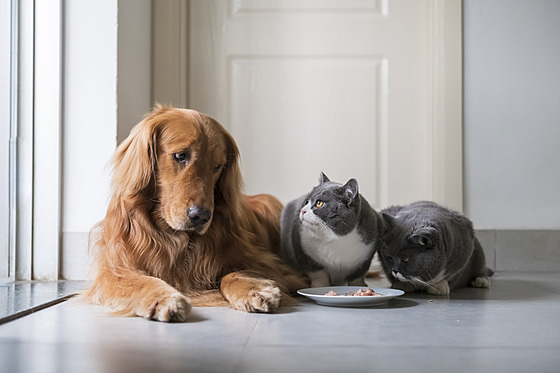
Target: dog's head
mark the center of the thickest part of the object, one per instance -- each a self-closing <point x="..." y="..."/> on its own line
<point x="182" y="163"/>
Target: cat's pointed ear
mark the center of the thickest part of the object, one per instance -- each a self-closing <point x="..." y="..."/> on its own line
<point x="351" y="189"/>
<point x="323" y="178"/>
<point x="389" y="221"/>
<point x="423" y="237"/>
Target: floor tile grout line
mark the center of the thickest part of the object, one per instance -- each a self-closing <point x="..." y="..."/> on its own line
<point x="236" y="366"/>
<point x="34" y="309"/>
<point x="251" y="332"/>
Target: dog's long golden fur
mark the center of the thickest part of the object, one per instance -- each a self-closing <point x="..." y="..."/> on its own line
<point x="178" y="230"/>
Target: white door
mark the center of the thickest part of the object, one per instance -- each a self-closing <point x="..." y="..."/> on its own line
<point x="355" y="88"/>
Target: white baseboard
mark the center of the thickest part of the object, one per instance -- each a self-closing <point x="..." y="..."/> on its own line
<point x="521" y="250"/>
<point x="75" y="258"/>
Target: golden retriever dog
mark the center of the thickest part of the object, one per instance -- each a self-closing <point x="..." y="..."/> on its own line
<point x="179" y="232"/>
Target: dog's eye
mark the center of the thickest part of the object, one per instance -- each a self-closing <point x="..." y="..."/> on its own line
<point x="181" y="157"/>
<point x="217" y="168"/>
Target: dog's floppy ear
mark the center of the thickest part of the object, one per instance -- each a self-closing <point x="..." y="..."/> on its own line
<point x="135" y="160"/>
<point x="230" y="184"/>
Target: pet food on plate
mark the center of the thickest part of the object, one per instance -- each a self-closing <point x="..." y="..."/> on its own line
<point x="365" y="292"/>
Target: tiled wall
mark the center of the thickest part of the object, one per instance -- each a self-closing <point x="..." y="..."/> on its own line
<point x="521" y="250"/>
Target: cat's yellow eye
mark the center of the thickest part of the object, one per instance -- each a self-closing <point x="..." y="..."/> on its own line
<point x="319" y="204"/>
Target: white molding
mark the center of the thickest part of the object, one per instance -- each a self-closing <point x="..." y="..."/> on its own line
<point x="47" y="134"/>
<point x="446" y="101"/>
<point x="23" y="143"/>
<point x="382" y="140"/>
<point x="241" y="7"/>
<point x="8" y="82"/>
<point x="170" y="52"/>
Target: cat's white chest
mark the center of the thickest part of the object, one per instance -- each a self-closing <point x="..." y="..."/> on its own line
<point x="336" y="253"/>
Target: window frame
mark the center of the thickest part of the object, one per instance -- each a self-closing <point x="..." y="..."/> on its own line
<point x="7" y="85"/>
<point x="34" y="169"/>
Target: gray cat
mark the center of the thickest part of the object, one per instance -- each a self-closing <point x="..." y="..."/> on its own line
<point x="331" y="234"/>
<point x="431" y="248"/>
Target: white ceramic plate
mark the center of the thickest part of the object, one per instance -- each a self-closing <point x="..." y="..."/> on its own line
<point x="318" y="295"/>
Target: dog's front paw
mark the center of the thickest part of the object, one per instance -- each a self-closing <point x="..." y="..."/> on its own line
<point x="264" y="299"/>
<point x="173" y="307"/>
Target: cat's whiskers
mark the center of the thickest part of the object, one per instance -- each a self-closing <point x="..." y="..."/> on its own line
<point x="383" y="244"/>
<point x="323" y="225"/>
<point x="421" y="282"/>
<point x="317" y="223"/>
<point x="439" y="277"/>
<point x="431" y="283"/>
<point x="416" y="281"/>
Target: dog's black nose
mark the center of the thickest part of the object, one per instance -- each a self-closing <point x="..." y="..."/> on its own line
<point x="198" y="216"/>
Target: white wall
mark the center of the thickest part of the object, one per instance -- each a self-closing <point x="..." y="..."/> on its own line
<point x="134" y="63"/>
<point x="106" y="91"/>
<point x="512" y="113"/>
<point x="89" y="123"/>
<point x="90" y="109"/>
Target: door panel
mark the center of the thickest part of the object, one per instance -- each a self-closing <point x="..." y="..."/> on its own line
<point x="345" y="87"/>
<point x="306" y="121"/>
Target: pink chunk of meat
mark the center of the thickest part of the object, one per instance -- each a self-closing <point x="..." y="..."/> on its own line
<point x="365" y="292"/>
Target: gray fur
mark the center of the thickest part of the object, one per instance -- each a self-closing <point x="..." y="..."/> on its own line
<point x="346" y="223"/>
<point x="431" y="248"/>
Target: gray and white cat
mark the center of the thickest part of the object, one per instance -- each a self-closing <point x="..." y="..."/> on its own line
<point x="431" y="248"/>
<point x="331" y="234"/>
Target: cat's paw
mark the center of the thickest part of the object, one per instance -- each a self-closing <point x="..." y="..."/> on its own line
<point x="439" y="288"/>
<point x="480" y="282"/>
<point x="407" y="287"/>
<point x="319" y="279"/>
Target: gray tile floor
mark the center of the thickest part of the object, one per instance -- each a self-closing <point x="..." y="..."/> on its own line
<point x="18" y="299"/>
<point x="512" y="327"/>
